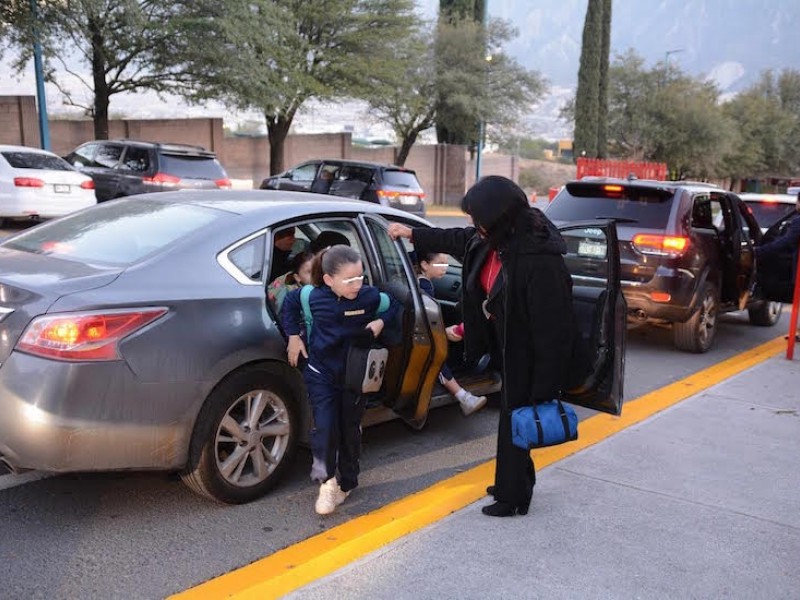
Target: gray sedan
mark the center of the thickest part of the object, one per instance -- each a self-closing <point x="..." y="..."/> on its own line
<point x="137" y="335"/>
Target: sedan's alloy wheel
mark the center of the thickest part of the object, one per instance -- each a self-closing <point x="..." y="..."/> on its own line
<point x="252" y="438"/>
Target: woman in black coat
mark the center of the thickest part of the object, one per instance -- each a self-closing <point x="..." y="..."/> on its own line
<point x="517" y="305"/>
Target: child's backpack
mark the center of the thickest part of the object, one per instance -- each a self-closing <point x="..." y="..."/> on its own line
<point x="366" y="360"/>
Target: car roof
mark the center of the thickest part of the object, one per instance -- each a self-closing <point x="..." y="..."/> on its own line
<point x="166" y="146"/>
<point x="758" y="197"/>
<point x="273" y="206"/>
<point x="9" y="148"/>
<point x="360" y="163"/>
<point x="694" y="186"/>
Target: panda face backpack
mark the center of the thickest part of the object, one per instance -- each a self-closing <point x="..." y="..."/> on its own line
<point x="366" y="360"/>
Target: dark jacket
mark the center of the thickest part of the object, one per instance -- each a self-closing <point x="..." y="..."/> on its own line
<point x="531" y="332"/>
<point x="788" y="241"/>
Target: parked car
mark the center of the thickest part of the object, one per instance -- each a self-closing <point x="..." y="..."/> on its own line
<point x="388" y="185"/>
<point x="137" y="335"/>
<point x="768" y="209"/>
<point x="127" y="167"/>
<point x="38" y="184"/>
<point x="686" y="252"/>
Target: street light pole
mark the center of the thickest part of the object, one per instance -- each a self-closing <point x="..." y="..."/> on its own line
<point x="481" y="124"/>
<point x="41" y="101"/>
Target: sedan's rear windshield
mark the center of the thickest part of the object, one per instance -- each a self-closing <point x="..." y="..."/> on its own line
<point x="191" y="167"/>
<point x="118" y="233"/>
<point x="35" y="160"/>
<point x="401" y="179"/>
<point x="647" y="207"/>
<point x="769" y="213"/>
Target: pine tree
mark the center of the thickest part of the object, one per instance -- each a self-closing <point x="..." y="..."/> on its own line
<point x="587" y="97"/>
<point x="602" y="106"/>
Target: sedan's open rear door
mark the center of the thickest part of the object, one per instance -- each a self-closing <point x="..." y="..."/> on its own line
<point x="598" y="371"/>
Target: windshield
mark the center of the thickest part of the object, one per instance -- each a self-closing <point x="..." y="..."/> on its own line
<point x="191" y="167"/>
<point x="36" y="160"/>
<point x="118" y="233"/>
<point x="401" y="179"/>
<point x="768" y="213"/>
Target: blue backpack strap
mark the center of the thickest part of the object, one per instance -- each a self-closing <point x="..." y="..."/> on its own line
<point x="383" y="305"/>
<point x="305" y="295"/>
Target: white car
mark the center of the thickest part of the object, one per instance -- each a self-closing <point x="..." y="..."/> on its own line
<point x="769" y="208"/>
<point x="38" y="184"/>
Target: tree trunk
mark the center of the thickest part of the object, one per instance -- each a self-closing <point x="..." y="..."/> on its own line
<point x="101" y="88"/>
<point x="405" y="147"/>
<point x="277" y="130"/>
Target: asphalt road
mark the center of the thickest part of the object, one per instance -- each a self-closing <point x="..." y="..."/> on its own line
<point x="144" y="535"/>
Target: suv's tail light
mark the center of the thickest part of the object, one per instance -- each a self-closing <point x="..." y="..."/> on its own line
<point x="163" y="179"/>
<point x="389" y="195"/>
<point x="28" y="182"/>
<point x="84" y="336"/>
<point x="224" y="184"/>
<point x="87" y="185"/>
<point x="661" y="245"/>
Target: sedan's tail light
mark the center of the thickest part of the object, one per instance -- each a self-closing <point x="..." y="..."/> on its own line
<point x="87" y="185"/>
<point x="84" y="336"/>
<point x="163" y="179"/>
<point x="28" y="182"/>
<point x="661" y="245"/>
<point x="224" y="184"/>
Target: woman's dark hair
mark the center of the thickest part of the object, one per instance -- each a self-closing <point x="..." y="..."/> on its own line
<point x="299" y="259"/>
<point x="330" y="260"/>
<point x="495" y="204"/>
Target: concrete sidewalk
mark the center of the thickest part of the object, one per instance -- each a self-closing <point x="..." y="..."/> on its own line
<point x="699" y="501"/>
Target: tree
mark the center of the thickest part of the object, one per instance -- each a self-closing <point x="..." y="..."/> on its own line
<point x="326" y="50"/>
<point x="587" y="97"/>
<point x="499" y="91"/>
<point x="602" y="90"/>
<point x="125" y="44"/>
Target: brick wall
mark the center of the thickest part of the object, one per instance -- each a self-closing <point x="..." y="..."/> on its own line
<point x="19" y="123"/>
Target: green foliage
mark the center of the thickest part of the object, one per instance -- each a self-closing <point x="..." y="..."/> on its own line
<point x="454" y="11"/>
<point x="530" y="179"/>
<point x="525" y="147"/>
<point x="602" y="89"/>
<point x="587" y="97"/>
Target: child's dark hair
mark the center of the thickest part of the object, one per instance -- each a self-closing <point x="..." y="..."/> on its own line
<point x="330" y="260"/>
<point x="298" y="260"/>
<point x="423" y="256"/>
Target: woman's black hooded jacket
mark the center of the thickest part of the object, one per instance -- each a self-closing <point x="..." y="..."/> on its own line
<point x="531" y="332"/>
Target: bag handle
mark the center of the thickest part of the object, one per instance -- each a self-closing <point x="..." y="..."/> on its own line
<point x="305" y="304"/>
<point x="564" y="421"/>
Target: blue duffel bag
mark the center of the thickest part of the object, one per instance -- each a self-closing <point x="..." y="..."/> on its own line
<point x="547" y="424"/>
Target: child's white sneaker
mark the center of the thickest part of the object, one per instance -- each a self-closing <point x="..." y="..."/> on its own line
<point x="471" y="403"/>
<point x="330" y="496"/>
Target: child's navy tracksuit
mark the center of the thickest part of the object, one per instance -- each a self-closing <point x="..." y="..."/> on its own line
<point x="336" y="434"/>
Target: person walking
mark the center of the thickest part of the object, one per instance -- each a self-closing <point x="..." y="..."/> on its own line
<point x="787" y="241"/>
<point x="344" y="310"/>
<point x="433" y="265"/>
<point x="517" y="305"/>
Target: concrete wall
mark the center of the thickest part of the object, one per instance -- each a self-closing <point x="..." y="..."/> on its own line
<point x="444" y="171"/>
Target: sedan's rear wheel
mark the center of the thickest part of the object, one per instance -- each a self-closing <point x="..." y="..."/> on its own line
<point x="244" y="439"/>
<point x="765" y="313"/>
<point x="697" y="334"/>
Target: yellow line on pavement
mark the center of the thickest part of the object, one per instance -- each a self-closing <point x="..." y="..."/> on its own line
<point x="311" y="559"/>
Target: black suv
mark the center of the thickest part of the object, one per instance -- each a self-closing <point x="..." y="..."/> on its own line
<point x="686" y="252"/>
<point x="126" y="167"/>
<point x="389" y="185"/>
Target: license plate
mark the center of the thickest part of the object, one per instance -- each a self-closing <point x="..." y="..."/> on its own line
<point x="406" y="199"/>
<point x="61" y="188"/>
<point x="592" y="249"/>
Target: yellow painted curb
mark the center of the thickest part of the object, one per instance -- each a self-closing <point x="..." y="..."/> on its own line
<point x="311" y="559"/>
<point x="443" y="211"/>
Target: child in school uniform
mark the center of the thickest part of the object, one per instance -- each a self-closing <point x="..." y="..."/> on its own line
<point x="343" y="309"/>
<point x="433" y="265"/>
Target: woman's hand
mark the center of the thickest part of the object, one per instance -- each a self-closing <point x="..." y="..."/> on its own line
<point x="375" y="327"/>
<point x="396" y="230"/>
<point x="295" y="349"/>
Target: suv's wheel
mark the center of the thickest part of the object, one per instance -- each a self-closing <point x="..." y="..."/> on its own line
<point x="244" y="439"/>
<point x="697" y="334"/>
<point x="765" y="313"/>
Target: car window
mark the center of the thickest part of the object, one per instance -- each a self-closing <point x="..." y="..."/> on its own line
<point x="579" y="201"/>
<point x="769" y="213"/>
<point x="355" y="173"/>
<point x="718" y="212"/>
<point x="191" y="167"/>
<point x="36" y="160"/>
<point x="393" y="266"/>
<point x="117" y="233"/>
<point x="84" y="155"/>
<point x="587" y="255"/>
<point x="136" y="160"/>
<point x="249" y="257"/>
<point x="304" y="172"/>
<point x="702" y="216"/>
<point x="401" y="179"/>
<point x="108" y="155"/>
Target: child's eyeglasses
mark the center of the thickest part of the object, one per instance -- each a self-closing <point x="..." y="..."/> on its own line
<point x="352" y="280"/>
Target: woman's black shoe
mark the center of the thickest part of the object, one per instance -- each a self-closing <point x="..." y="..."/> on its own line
<point x="504" y="509"/>
<point x="490" y="490"/>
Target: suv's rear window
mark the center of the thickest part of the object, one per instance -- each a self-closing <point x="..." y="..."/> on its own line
<point x="34" y="160"/>
<point x="118" y="233"/>
<point x="191" y="167"/>
<point x="769" y="213"/>
<point x="401" y="179"/>
<point x="648" y="207"/>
